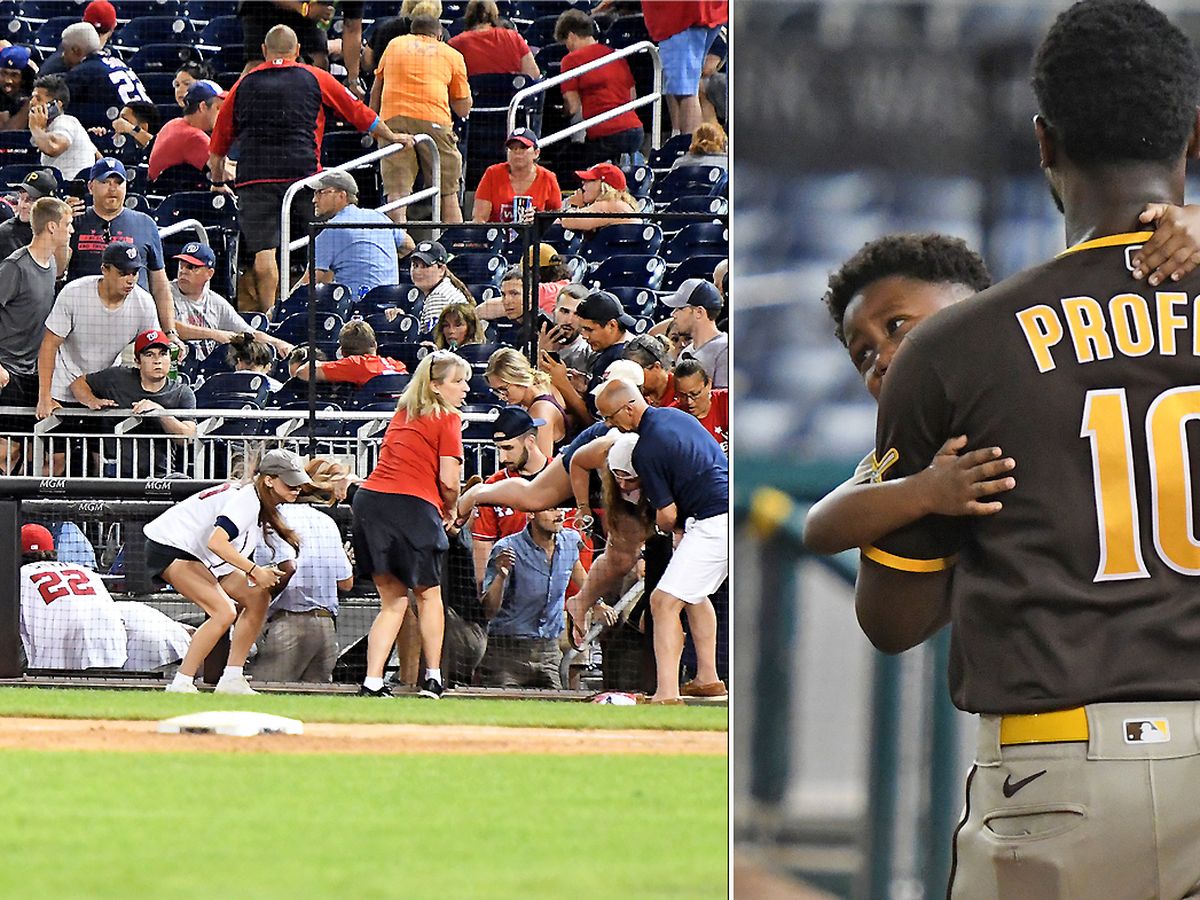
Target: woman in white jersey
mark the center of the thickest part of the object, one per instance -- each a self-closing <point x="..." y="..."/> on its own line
<point x="204" y="548"/>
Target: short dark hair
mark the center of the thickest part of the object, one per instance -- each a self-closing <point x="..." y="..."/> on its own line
<point x="573" y="21"/>
<point x="689" y="366"/>
<point x="1116" y="80"/>
<point x="35" y="556"/>
<point x="481" y="12"/>
<point x="148" y="114"/>
<point x="56" y="87"/>
<point x="426" y="25"/>
<point x="934" y="258"/>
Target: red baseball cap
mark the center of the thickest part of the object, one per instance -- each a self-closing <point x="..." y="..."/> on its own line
<point x="150" y="338"/>
<point x="36" y="538"/>
<point x="101" y="15"/>
<point x="606" y="172"/>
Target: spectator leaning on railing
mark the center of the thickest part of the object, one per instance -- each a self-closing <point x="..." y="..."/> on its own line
<point x="277" y="113"/>
<point x="94" y="318"/>
<point x="142" y="388"/>
<point x="418" y="83"/>
<point x="202" y="316"/>
<point x="108" y="221"/>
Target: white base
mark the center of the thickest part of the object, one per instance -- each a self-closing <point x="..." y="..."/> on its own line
<point x="235" y="724"/>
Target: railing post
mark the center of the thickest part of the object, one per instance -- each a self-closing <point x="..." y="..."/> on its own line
<point x="882" y="783"/>
<point x="10" y="609"/>
<point x="944" y="794"/>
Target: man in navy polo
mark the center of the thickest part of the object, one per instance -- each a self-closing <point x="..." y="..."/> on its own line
<point x="108" y="221"/>
<point x="685" y="478"/>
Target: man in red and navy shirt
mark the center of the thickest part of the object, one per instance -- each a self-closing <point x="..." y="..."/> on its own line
<point x="277" y="114"/>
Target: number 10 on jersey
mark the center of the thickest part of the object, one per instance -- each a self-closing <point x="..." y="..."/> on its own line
<point x="1107" y="427"/>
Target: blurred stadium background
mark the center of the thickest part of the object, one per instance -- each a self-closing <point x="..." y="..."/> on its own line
<point x="855" y="119"/>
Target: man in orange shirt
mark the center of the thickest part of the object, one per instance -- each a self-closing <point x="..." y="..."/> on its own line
<point x="419" y="81"/>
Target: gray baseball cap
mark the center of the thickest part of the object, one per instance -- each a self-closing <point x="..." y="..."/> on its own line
<point x="339" y="181"/>
<point x="286" y="465"/>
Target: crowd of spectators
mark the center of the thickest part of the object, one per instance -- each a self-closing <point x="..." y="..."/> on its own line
<point x="96" y="313"/>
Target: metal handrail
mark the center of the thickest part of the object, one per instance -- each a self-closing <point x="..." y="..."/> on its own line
<point x="655" y="97"/>
<point x="285" y="222"/>
<point x="183" y="225"/>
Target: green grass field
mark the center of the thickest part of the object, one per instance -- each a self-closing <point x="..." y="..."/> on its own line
<point x="60" y="703"/>
<point x="130" y="825"/>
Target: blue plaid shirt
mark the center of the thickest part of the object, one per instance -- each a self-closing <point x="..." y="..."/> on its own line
<point x="536" y="589"/>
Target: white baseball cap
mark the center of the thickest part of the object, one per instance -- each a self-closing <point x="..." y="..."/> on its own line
<point x="622" y="370"/>
<point x="620" y="454"/>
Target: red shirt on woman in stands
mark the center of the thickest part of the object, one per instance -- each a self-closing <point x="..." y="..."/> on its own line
<point x="489" y="49"/>
<point x="520" y="176"/>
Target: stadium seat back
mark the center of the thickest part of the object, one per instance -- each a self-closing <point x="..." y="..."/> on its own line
<point x="160" y="86"/>
<point x="222" y="31"/>
<point x="405" y="296"/>
<point x="463" y="239"/>
<point x="698" y="238"/>
<point x="673" y="148"/>
<point x="163" y="57"/>
<point x="628" y="270"/>
<point x="327" y="298"/>
<point x="49" y="33"/>
<point x="234" y="385"/>
<point x="477" y="355"/>
<point x="294" y="329"/>
<point x="639" y="179"/>
<point x="563" y="240"/>
<point x="692" y="267"/>
<point x="717" y="206"/>
<point x="408" y="352"/>
<point x="154" y="29"/>
<point x="689" y="180"/>
<point x="482" y="292"/>
<point x="636" y="301"/>
<point x="381" y="388"/>
<point x="624" y="238"/>
<point x="211" y="210"/>
<point x="479" y="268"/>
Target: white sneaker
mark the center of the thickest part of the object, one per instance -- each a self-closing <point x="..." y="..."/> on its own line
<point x="177" y="688"/>
<point x="235" y="684"/>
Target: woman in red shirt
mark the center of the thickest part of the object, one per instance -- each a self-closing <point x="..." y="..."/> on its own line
<point x="401" y="512"/>
<point x="520" y="176"/>
<point x="489" y="49"/>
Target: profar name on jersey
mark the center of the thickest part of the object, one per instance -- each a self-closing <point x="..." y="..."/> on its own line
<point x="1128" y="324"/>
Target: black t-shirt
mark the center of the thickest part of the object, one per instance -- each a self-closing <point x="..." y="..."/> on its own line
<point x="258" y="18"/>
<point x="1083" y="588"/>
<point x="14" y="234"/>
<point x="124" y="385"/>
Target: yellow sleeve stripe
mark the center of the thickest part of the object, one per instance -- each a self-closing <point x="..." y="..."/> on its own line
<point x="903" y="563"/>
<point x="1111" y="240"/>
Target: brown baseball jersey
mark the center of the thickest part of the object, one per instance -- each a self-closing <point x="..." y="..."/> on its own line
<point x="1084" y="587"/>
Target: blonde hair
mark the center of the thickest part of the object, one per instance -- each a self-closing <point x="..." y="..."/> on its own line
<point x="419" y="398"/>
<point x="465" y="314"/>
<point x="411" y="8"/>
<point x="708" y="138"/>
<point x="511" y="366"/>
<point x="608" y="192"/>
<point x="325" y="473"/>
<point x="46" y="210"/>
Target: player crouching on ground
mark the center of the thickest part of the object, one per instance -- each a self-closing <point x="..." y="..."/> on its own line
<point x="204" y="547"/>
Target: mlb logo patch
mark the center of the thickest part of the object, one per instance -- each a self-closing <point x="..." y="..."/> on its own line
<point x="1147" y="731"/>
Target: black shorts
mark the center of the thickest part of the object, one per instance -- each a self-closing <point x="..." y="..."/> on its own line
<point x="259" y="18"/>
<point x="398" y="535"/>
<point x="259" y="213"/>
<point x="159" y="556"/>
<point x="21" y="390"/>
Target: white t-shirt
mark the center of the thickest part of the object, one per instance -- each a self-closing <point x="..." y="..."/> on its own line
<point x="210" y="311"/>
<point x="188" y="525"/>
<point x="93" y="335"/>
<point x="68" y="618"/>
<point x="153" y="638"/>
<point x="321" y="564"/>
<point x="77" y="157"/>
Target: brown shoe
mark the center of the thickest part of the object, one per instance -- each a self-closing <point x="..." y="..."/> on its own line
<point x="712" y="689"/>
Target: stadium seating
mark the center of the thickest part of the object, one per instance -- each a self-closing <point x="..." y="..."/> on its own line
<point x="693" y="267"/>
<point x="480" y="431"/>
<point x="331" y="298"/>
<point x="121" y="146"/>
<point x="478" y="268"/>
<point x="385" y="296"/>
<point x="155" y="29"/>
<point x="717" y="206"/>
<point x="639" y="179"/>
<point x="461" y="239"/>
<point x="11" y="174"/>
<point x="178" y="179"/>
<point x="49" y="33"/>
<point x="698" y="238"/>
<point x="636" y="301"/>
<point x="222" y="32"/>
<point x="15" y="148"/>
<point x="294" y="330"/>
<point x="380" y="391"/>
<point x="625" y="238"/>
<point x="135" y="9"/>
<point x="540" y="32"/>
<point x="693" y="180"/>
<point x="408" y="352"/>
<point x="481" y="292"/>
<point x="673" y="148"/>
<point x="163" y="57"/>
<point x="17" y="31"/>
<point x="477" y="355"/>
<point x="233" y="386"/>
<point x="160" y="86"/>
<point x="629" y="270"/>
<point x="211" y="210"/>
<point x="563" y="240"/>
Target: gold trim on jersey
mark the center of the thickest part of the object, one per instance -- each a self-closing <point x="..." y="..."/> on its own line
<point x="880" y="465"/>
<point x="1111" y="240"/>
<point x="904" y="564"/>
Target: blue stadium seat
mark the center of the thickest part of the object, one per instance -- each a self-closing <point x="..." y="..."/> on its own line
<point x="477" y="355"/>
<point x="480" y="391"/>
<point x="625" y="238"/>
<point x="229" y="60"/>
<point x="625" y="31"/>
<point x="483" y="292"/>
<point x="163" y="57"/>
<point x="49" y="33"/>
<point x="15" y="148"/>
<point x="479" y="268"/>
<point x="233" y="385"/>
<point x="502" y="331"/>
<point x="166" y="111"/>
<point x="206" y="10"/>
<point x="385" y="296"/>
<point x="339" y="147"/>
<point x="464" y="239"/>
<point x="563" y="240"/>
<point x="540" y="32"/>
<point x="138" y="203"/>
<point x="697" y="239"/>
<point x="641" y="324"/>
<point x="408" y="352"/>
<point x="294" y="329"/>
<point x="637" y="301"/>
<point x="222" y="31"/>
<point x="480" y="431"/>
<point x="178" y="179"/>
<point x="160" y="86"/>
<point x="286" y="399"/>
<point x="121" y="146"/>
<point x="154" y="29"/>
<point x="17" y="31"/>
<point x="11" y="174"/>
<point x="211" y="210"/>
<point x="549" y="59"/>
<point x="717" y="206"/>
<point x="380" y="389"/>
<point x="693" y="267"/>
<point x="639" y="179"/>
<point x="135" y="9"/>
<point x="628" y="270"/>
<point x="240" y="427"/>
<point x="689" y="180"/>
<point x="675" y="146"/>
<point x="399" y="330"/>
<point x="328" y="298"/>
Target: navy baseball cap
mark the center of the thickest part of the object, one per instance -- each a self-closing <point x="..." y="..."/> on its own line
<point x="526" y="136"/>
<point x="125" y="257"/>
<point x="198" y="255"/>
<point x="695" y="292"/>
<point x="105" y="167"/>
<point x="201" y="92"/>
<point x="602" y="307"/>
<point x="514" y="421"/>
<point x="431" y="253"/>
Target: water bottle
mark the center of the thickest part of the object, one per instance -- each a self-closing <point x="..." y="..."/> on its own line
<point x="173" y="372"/>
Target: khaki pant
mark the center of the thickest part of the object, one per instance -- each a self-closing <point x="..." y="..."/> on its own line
<point x="1115" y="817"/>
<point x="399" y="170"/>
<point x="297" y="648"/>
